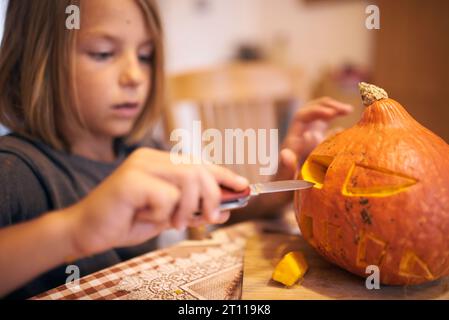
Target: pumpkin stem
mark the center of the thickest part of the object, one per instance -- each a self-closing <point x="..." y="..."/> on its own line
<point x="370" y="93"/>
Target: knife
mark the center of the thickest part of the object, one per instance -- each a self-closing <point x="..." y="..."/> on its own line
<point x="231" y="200"/>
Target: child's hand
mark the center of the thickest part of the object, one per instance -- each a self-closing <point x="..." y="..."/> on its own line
<point x="197" y="183"/>
<point x="307" y="130"/>
<point x="145" y="196"/>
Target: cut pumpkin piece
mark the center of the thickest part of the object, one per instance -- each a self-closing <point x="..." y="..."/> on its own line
<point x="290" y="269"/>
<point x="315" y="169"/>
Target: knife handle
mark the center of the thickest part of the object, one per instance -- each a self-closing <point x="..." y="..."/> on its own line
<point x="229" y="195"/>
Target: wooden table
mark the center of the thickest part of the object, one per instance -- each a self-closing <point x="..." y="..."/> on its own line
<point x="233" y="263"/>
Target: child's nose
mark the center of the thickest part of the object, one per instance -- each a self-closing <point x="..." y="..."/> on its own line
<point x="132" y="74"/>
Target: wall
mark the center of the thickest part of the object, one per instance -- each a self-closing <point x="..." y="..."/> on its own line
<point x="196" y="38"/>
<point x="313" y="35"/>
<point x="411" y="59"/>
<point x="326" y="33"/>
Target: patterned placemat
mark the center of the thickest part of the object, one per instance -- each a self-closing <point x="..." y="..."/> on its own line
<point x="206" y="269"/>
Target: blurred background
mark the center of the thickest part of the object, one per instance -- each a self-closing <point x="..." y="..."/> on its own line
<point x="323" y="45"/>
<point x="309" y="35"/>
<point x="326" y="43"/>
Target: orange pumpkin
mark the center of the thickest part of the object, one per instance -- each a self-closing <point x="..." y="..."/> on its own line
<point x="381" y="196"/>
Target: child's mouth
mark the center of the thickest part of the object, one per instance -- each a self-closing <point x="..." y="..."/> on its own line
<point x="126" y="110"/>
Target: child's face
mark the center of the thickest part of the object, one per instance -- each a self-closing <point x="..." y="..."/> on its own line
<point x="112" y="65"/>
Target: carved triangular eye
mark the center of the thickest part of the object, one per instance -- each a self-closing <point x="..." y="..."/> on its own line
<point x="315" y="169"/>
<point x="412" y="266"/>
<point x="370" y="181"/>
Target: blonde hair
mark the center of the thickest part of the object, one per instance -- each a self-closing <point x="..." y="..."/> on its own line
<point x="36" y="71"/>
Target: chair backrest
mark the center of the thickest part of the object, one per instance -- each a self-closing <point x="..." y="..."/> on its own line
<point x="236" y="96"/>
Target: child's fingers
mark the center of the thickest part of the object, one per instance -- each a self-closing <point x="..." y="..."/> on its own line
<point x="316" y="113"/>
<point x="288" y="164"/>
<point x="227" y="178"/>
<point x="340" y="107"/>
<point x="197" y="185"/>
<point x="159" y="164"/>
<point x="224" y="216"/>
<point x="161" y="199"/>
<point x="142" y="231"/>
<point x="211" y="197"/>
<point x="189" y="202"/>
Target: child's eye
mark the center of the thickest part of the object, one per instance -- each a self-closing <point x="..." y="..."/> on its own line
<point x="101" y="56"/>
<point x="146" y="58"/>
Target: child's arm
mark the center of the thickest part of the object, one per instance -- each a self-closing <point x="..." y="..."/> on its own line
<point x="308" y="128"/>
<point x="113" y="215"/>
<point x="31" y="248"/>
<point x="143" y="197"/>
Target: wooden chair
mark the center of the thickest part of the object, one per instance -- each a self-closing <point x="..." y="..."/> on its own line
<point x="242" y="95"/>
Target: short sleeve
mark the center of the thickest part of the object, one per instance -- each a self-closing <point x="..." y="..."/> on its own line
<point x="21" y="195"/>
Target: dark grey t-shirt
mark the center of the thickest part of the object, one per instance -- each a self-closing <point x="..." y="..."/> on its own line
<point x="35" y="179"/>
